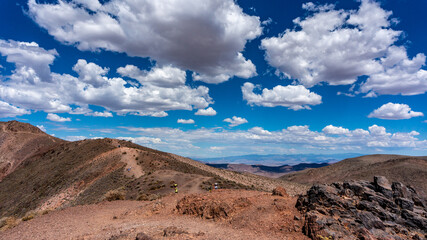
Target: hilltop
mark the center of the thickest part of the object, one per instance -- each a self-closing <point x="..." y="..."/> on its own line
<point x="19" y="142"/>
<point x="406" y="169"/>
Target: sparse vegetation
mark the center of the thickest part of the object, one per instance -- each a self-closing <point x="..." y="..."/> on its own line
<point x="114" y="195"/>
<point x="46" y="211"/>
<point x="8" y="222"/>
<point x="29" y="215"/>
<point x="148" y="197"/>
<point x="324" y="238"/>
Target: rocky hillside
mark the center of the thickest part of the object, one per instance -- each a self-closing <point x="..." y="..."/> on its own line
<point x="364" y="210"/>
<point x="408" y="170"/>
<point x="65" y="174"/>
<point x="19" y="142"/>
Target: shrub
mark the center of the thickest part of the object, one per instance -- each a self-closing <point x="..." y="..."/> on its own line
<point x="46" y="211"/>
<point x="29" y="216"/>
<point x="114" y="195"/>
<point x="148" y="197"/>
<point x="9" y="222"/>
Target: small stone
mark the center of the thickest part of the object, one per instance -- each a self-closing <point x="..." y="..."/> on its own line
<point x="142" y="236"/>
<point x="405" y="203"/>
<point x="280" y="191"/>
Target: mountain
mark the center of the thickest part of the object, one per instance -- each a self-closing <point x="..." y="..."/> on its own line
<point x="279" y="159"/>
<point x="267" y="171"/>
<point x="406" y="169"/>
<point x="69" y="190"/>
<point x="57" y="174"/>
<point x="19" y="142"/>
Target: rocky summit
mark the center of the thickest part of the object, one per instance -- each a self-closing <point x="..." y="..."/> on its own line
<point x="363" y="210"/>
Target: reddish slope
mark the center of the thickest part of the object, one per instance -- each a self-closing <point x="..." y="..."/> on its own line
<point x="18" y="142"/>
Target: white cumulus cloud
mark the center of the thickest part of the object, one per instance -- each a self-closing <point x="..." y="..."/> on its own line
<point x="41" y="127"/>
<point x="57" y="118"/>
<point x="298" y="138"/>
<point x="205" y="36"/>
<point x="185" y="121"/>
<point x="91" y="73"/>
<point x="7" y="110"/>
<point x="65" y="93"/>
<point x="166" y="76"/>
<point x="31" y="61"/>
<point x="338" y="46"/>
<point x="330" y="129"/>
<point x="293" y="97"/>
<point x="235" y="121"/>
<point x="75" y="138"/>
<point x="206" y="112"/>
<point x="394" y="111"/>
<point x="401" y="75"/>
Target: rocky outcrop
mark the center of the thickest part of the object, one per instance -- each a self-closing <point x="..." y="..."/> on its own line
<point x="364" y="210"/>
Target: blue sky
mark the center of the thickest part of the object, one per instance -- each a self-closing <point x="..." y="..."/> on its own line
<point x="220" y="77"/>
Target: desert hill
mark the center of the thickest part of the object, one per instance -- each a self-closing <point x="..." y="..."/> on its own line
<point x="88" y="190"/>
<point x="408" y="170"/>
<point x="266" y="171"/>
<point x="18" y="142"/>
<point x="60" y="174"/>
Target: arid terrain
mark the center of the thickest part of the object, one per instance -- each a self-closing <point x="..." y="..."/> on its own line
<point x="18" y="142"/>
<point x="115" y="189"/>
<point x="408" y="170"/>
<point x="224" y="214"/>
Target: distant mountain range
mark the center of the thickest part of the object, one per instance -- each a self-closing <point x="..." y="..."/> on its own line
<point x="280" y="159"/>
<point x="267" y="171"/>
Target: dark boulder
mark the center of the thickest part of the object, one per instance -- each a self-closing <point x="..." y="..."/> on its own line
<point x="363" y="210"/>
<point x="383" y="186"/>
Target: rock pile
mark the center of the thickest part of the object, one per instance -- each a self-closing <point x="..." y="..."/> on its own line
<point x="363" y="210"/>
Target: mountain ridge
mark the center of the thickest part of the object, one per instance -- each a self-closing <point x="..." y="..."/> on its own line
<point x="64" y="174"/>
<point x="278" y="159"/>
<point x="266" y="171"/>
<point x="19" y="142"/>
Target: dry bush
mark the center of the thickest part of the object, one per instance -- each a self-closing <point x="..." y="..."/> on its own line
<point x="8" y="222"/>
<point x="29" y="215"/>
<point x="148" y="197"/>
<point x="46" y="211"/>
<point x="114" y="195"/>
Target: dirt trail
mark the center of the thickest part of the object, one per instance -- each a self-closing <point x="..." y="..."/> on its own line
<point x="187" y="183"/>
<point x="160" y="220"/>
<point x="266" y="184"/>
<point x="129" y="157"/>
<point x="132" y="169"/>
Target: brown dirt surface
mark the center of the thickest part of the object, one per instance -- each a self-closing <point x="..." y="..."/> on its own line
<point x="253" y="215"/>
<point x="397" y="168"/>
<point x="20" y="141"/>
